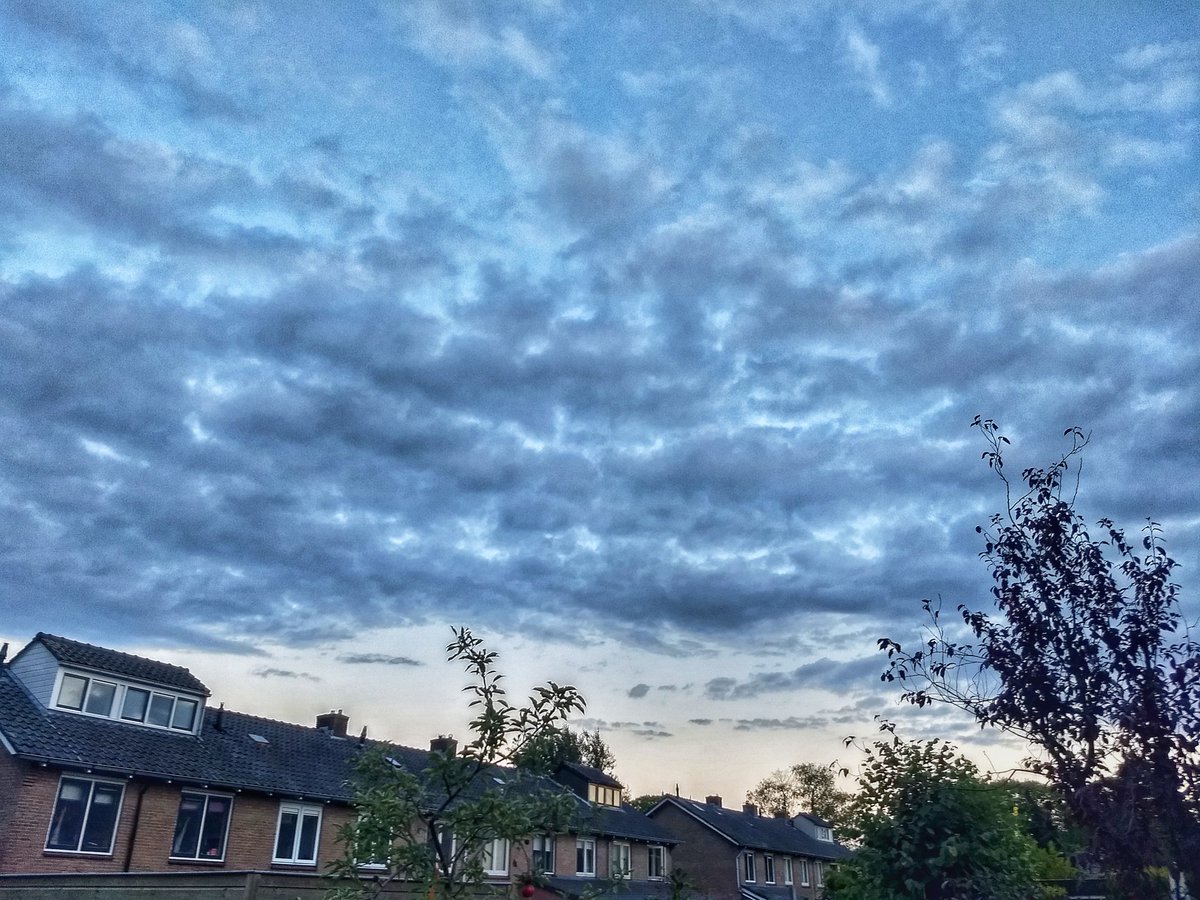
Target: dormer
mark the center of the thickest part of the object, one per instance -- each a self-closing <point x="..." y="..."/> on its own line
<point x="82" y="679"/>
<point x="592" y="784"/>
<point x="814" y="826"/>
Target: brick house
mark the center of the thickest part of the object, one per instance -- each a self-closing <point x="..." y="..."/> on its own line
<point x="739" y="855"/>
<point x="113" y="763"/>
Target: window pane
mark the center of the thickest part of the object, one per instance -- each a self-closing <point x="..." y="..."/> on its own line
<point x="187" y="826"/>
<point x="308" y="838"/>
<point x="160" y="710"/>
<point x="285" y="843"/>
<point x="102" y="818"/>
<point x="216" y="823"/>
<point x="185" y="714"/>
<point x="70" y="694"/>
<point x="69" y="810"/>
<point x="100" y="698"/>
<point x="134" y="707"/>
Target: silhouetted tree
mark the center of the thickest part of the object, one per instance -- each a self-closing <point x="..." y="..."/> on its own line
<point x="804" y="787"/>
<point x="1087" y="658"/>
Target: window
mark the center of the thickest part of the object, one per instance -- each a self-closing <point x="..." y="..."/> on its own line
<point x="824" y="834"/>
<point x="605" y="796"/>
<point x="201" y="826"/>
<point x="622" y="861"/>
<point x="804" y="872"/>
<point x="820" y="870"/>
<point x="113" y="700"/>
<point x="495" y="857"/>
<point x="296" y="834"/>
<point x="542" y="858"/>
<point x="655" y="862"/>
<point x="585" y="856"/>
<point x="769" y="869"/>
<point x="748" y="866"/>
<point x="787" y="870"/>
<point x="85" y="816"/>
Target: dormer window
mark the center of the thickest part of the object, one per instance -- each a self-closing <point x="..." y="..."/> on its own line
<point x="824" y="834"/>
<point x="127" y="702"/>
<point x="604" y="795"/>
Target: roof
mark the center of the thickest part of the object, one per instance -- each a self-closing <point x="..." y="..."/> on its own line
<point x="755" y="832"/>
<point x="590" y="774"/>
<point x="600" y="887"/>
<point x="620" y="821"/>
<point x="88" y="656"/>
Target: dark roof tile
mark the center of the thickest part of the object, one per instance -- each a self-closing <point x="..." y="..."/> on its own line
<point x="88" y="656"/>
<point x="755" y="832"/>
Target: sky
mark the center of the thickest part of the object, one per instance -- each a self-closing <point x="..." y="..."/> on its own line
<point x="642" y="338"/>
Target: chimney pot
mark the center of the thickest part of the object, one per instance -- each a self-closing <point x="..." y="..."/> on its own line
<point x="334" y="722"/>
<point x="713" y="799"/>
<point x="444" y="743"/>
<point x="750" y="809"/>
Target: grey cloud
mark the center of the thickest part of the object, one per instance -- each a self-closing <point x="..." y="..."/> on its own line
<point x="377" y="659"/>
<point x="823" y="673"/>
<point x="700" y="721"/>
<point x="638" y="691"/>
<point x="283" y="673"/>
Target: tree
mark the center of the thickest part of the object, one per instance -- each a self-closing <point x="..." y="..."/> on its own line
<point x="804" y="787"/>
<point x="555" y="746"/>
<point x="930" y="827"/>
<point x="1087" y="658"/>
<point x="429" y="823"/>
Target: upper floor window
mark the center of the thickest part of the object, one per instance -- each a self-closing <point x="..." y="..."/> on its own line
<point x="127" y="702"/>
<point x="622" y="861"/>
<point x="542" y="856"/>
<point x="769" y="869"/>
<point x="85" y="815"/>
<point x="824" y="833"/>
<point x="296" y="834"/>
<point x="201" y="826"/>
<point x="748" y="866"/>
<point x="604" y="795"/>
<point x="494" y="856"/>
<point x="655" y="861"/>
<point x="585" y="856"/>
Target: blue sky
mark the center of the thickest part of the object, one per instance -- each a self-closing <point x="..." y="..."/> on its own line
<point x="642" y="337"/>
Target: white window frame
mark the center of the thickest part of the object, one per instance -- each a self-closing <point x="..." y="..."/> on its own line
<point x="660" y="851"/>
<point x="749" y="875"/>
<point x="804" y="874"/>
<point x="495" y="856"/>
<point x="543" y="844"/>
<point x="121" y="689"/>
<point x="787" y="870"/>
<point x="301" y="811"/>
<point x="820" y="867"/>
<point x="208" y="797"/>
<point x="621" y="861"/>
<point x="586" y="847"/>
<point x="768" y="869"/>
<point x="87" y="814"/>
<point x="824" y="833"/>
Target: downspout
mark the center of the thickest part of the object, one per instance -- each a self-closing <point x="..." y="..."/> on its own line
<point x="133" y="829"/>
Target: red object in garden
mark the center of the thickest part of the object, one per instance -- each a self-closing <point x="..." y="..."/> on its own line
<point x="527" y="890"/>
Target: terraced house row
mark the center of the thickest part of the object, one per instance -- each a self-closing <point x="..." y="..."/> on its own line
<point x="114" y="764"/>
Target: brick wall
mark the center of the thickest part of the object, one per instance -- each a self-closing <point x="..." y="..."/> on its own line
<point x="29" y="793"/>
<point x="709" y="860"/>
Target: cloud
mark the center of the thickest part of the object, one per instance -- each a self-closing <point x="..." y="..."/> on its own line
<point x="862" y="56"/>
<point x="638" y="691"/>
<point x="823" y="673"/>
<point x="283" y="673"/>
<point x="381" y="659"/>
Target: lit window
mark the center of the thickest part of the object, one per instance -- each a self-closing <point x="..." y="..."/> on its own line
<point x="495" y="856"/>
<point x="655" y="861"/>
<point x="622" y="861"/>
<point x="769" y="869"/>
<point x="85" y="816"/>
<point x="201" y="826"/>
<point x="585" y="856"/>
<point x="296" y="834"/>
<point x="542" y="859"/>
<point x="787" y="870"/>
<point x="748" y="866"/>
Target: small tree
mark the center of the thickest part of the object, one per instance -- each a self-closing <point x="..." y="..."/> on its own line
<point x="428" y="823"/>
<point x="555" y="746"/>
<point x="930" y="827"/>
<point x="1087" y="658"/>
<point x="804" y="787"/>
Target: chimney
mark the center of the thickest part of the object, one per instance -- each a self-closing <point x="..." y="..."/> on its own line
<point x="780" y="814"/>
<point x="713" y="799"/>
<point x="444" y="743"/>
<point x="333" y="722"/>
<point x="4" y="652"/>
<point x="750" y="809"/>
